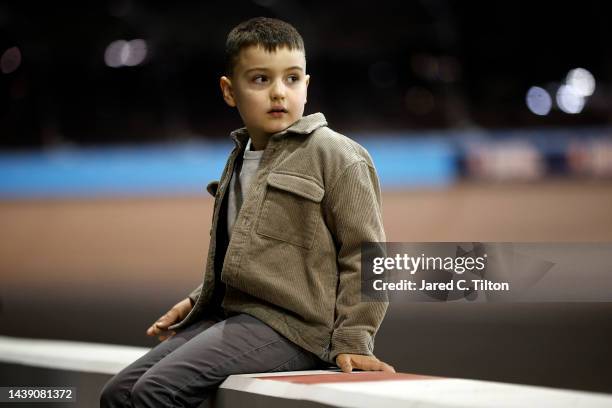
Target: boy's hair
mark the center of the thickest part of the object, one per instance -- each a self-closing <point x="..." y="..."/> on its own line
<point x="269" y="33"/>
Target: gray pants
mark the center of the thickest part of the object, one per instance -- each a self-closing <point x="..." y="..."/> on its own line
<point x="183" y="370"/>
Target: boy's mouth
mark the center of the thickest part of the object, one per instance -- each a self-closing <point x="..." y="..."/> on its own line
<point x="277" y="110"/>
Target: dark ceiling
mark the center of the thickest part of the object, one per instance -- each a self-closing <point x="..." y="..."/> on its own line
<point x="375" y="65"/>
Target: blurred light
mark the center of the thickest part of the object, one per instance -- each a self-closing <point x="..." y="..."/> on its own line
<point x="419" y="101"/>
<point x="136" y="52"/>
<point x="125" y="53"/>
<point x="10" y="60"/>
<point x="383" y="75"/>
<point x="582" y="81"/>
<point x="538" y="101"/>
<point x="112" y="55"/>
<point x="568" y="100"/>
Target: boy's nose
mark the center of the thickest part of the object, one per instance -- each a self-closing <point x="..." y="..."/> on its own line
<point x="278" y="90"/>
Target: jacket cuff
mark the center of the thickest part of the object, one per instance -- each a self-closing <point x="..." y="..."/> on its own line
<point x="193" y="296"/>
<point x="351" y="341"/>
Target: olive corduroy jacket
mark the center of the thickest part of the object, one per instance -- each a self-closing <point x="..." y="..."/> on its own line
<point x="293" y="260"/>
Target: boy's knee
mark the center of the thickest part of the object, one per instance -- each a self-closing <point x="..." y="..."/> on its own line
<point x="149" y="392"/>
<point x="113" y="395"/>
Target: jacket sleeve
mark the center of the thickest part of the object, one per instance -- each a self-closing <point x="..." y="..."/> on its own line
<point x="353" y="209"/>
<point x="193" y="296"/>
<point x="212" y="188"/>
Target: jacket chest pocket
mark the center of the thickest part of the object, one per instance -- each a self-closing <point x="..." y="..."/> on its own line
<point x="291" y="209"/>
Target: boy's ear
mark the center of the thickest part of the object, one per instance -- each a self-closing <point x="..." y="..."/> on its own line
<point x="307" y="82"/>
<point x="226" y="88"/>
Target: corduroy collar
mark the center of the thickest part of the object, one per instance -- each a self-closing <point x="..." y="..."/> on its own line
<point x="306" y="124"/>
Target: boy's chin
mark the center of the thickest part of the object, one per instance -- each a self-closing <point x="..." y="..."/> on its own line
<point x="278" y="127"/>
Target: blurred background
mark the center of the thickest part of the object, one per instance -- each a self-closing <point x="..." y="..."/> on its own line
<point x="487" y="121"/>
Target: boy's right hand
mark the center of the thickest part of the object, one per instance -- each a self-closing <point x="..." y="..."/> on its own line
<point x="172" y="316"/>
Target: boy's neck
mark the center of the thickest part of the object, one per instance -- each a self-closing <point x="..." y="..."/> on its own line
<point x="259" y="141"/>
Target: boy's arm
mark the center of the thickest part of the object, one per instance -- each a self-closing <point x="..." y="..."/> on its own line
<point x="353" y="212"/>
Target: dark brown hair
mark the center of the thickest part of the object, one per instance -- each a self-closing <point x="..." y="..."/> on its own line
<point x="269" y="33"/>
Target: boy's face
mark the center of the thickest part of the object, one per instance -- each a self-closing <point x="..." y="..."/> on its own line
<point x="268" y="88"/>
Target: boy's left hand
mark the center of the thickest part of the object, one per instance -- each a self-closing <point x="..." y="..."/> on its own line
<point x="367" y="363"/>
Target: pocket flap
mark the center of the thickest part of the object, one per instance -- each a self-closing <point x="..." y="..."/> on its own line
<point x="297" y="185"/>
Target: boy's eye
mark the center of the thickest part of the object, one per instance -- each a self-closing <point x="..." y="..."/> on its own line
<point x="293" y="78"/>
<point x="260" y="79"/>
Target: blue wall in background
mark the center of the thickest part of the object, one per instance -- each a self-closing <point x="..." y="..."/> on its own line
<point x="185" y="169"/>
<point x="404" y="160"/>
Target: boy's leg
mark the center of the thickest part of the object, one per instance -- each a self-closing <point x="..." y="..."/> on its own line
<point x="117" y="391"/>
<point x="239" y="344"/>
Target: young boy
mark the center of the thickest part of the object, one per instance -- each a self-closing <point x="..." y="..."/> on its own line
<point x="281" y="288"/>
